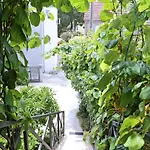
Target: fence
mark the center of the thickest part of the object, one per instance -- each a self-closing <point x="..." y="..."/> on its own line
<point x="55" y="126"/>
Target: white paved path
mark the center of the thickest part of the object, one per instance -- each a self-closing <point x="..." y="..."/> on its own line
<point x="68" y="101"/>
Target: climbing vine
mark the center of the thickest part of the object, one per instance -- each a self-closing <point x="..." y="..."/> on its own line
<point x="16" y="20"/>
<point x="112" y="73"/>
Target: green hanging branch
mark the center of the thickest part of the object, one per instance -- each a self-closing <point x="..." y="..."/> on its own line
<point x="134" y="26"/>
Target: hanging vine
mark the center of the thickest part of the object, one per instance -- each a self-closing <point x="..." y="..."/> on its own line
<point x="113" y="75"/>
<point x="16" y="19"/>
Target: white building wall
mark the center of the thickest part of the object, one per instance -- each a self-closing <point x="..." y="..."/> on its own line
<point x="35" y="56"/>
<point x="50" y="28"/>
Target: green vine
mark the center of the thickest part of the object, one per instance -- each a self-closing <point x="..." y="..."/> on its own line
<point x="16" y="19"/>
<point x="112" y="73"/>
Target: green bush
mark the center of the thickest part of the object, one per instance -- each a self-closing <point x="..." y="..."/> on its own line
<point x="83" y="116"/>
<point x="38" y="101"/>
<point x="111" y="71"/>
<point x="111" y="88"/>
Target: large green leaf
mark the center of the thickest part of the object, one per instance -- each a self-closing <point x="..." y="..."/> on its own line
<point x="126" y="97"/>
<point x="111" y="44"/>
<point x="9" y="98"/>
<point x="133" y="69"/>
<point x="143" y="5"/>
<point x="14" y="61"/>
<point x="146" y="125"/>
<point x="109" y="5"/>
<point x="81" y="5"/>
<point x="147" y="39"/>
<point x="105" y="67"/>
<point x="9" y="75"/>
<point x="127" y="19"/>
<point x="130" y="68"/>
<point x="116" y="23"/>
<point x="42" y="16"/>
<point x="105" y="80"/>
<point x="145" y="93"/>
<point x="24" y="58"/>
<point x="58" y="3"/>
<point x="7" y="45"/>
<point x="37" y="4"/>
<point x="129" y="122"/>
<point x="2" y="108"/>
<point x="17" y="34"/>
<point x="134" y="141"/>
<point x="34" y="42"/>
<point x="142" y="108"/>
<point x="28" y="30"/>
<point x="105" y="15"/>
<point x="66" y="8"/>
<point x="46" y="39"/>
<point x="111" y="57"/>
<point x="6" y="12"/>
<point x="22" y="17"/>
<point x="118" y="65"/>
<point x="47" y="3"/>
<point x="23" y="73"/>
<point x="34" y="18"/>
<point x="144" y="68"/>
<point x="51" y="16"/>
<point x="138" y="85"/>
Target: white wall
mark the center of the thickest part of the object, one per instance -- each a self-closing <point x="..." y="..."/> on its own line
<point x="34" y="56"/>
<point x="48" y="27"/>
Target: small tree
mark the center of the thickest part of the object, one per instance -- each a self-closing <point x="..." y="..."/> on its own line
<point x="69" y="21"/>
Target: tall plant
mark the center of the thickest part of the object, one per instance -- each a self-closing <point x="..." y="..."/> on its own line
<point x="112" y="74"/>
<point x="16" y="19"/>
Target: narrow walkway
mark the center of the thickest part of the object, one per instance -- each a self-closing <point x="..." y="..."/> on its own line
<point x="68" y="101"/>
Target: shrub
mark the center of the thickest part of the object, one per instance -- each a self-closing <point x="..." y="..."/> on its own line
<point x="38" y="101"/>
<point x="111" y="88"/>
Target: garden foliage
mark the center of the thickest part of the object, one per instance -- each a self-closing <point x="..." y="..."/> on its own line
<point x="111" y="71"/>
<point x="17" y="17"/>
<point x="37" y="101"/>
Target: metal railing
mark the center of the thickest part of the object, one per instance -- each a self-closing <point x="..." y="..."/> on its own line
<point x="55" y="127"/>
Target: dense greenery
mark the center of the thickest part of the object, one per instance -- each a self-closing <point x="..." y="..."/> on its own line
<point x="16" y="20"/>
<point x="111" y="71"/>
<point x="37" y="101"/>
<point x="69" y="21"/>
